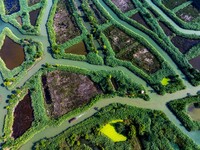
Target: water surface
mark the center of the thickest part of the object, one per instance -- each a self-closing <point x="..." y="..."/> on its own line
<point x="12" y="53"/>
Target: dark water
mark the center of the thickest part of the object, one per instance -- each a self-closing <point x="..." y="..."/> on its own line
<point x="194" y="112"/>
<point x="138" y="17"/>
<point x="12" y="53"/>
<point x="78" y="49"/>
<point x="46" y="90"/>
<point x="23" y="117"/>
<point x="184" y="44"/>
<point x="33" y="16"/>
<point x="167" y="30"/>
<point x="11" y="6"/>
<point x="195" y="62"/>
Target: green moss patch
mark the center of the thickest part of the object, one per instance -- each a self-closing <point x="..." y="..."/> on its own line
<point x="165" y="81"/>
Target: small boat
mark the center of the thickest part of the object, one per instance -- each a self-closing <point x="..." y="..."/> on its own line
<point x="72" y="119"/>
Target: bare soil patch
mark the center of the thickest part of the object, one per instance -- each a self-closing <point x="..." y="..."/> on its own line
<point x="23" y="117"/>
<point x="189" y="13"/>
<point x="129" y="49"/>
<point x="68" y="91"/>
<point x="124" y="5"/>
<point x="173" y="3"/>
<point x="64" y="24"/>
<point x="12" y="53"/>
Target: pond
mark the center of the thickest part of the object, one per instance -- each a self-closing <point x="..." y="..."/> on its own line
<point x="138" y="17"/>
<point x="166" y="29"/>
<point x="78" y="49"/>
<point x="11" y="6"/>
<point x="23" y="117"/>
<point x="184" y="44"/>
<point x="195" y="62"/>
<point x="12" y="54"/>
<point x="194" y="112"/>
<point x="33" y="16"/>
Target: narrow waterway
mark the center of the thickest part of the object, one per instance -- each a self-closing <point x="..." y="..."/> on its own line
<point x="169" y="20"/>
<point x="157" y="102"/>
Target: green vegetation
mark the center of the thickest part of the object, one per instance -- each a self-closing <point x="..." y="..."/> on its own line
<point x="129" y="49"/>
<point x="172" y="4"/>
<point x="144" y="129"/>
<point x="125" y="5"/>
<point x="165" y="81"/>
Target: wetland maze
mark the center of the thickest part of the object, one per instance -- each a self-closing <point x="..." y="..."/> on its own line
<point x="100" y="74"/>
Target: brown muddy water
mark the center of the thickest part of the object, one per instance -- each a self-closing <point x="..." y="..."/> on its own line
<point x="33" y="16"/>
<point x="194" y="112"/>
<point x="78" y="49"/>
<point x="12" y="54"/>
<point x="23" y="117"/>
<point x="195" y="62"/>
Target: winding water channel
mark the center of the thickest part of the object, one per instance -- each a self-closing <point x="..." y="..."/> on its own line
<point x="157" y="102"/>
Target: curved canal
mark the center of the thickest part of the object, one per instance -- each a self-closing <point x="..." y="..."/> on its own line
<point x="157" y="102"/>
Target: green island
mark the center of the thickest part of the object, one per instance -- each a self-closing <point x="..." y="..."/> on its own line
<point x="100" y="74"/>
